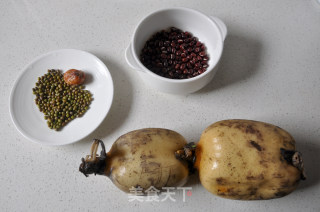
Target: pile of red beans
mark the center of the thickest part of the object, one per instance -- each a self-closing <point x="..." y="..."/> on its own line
<point x="175" y="54"/>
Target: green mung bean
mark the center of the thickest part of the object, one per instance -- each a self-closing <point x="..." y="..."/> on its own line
<point x="59" y="101"/>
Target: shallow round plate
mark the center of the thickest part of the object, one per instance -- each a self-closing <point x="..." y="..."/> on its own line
<point x="30" y="121"/>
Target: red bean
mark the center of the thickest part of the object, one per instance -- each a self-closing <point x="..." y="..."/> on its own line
<point x="182" y="66"/>
<point x="195" y="59"/>
<point x="202" y="54"/>
<point x="182" y="46"/>
<point x="200" y="71"/>
<point x="197" y="65"/>
<point x="184" y="59"/>
<point x="205" y="58"/>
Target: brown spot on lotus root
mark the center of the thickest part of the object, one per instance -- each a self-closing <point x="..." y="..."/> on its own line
<point x="221" y="181"/>
<point x="145" y="157"/>
<point x="240" y="126"/>
<point x="285" y="184"/>
<point x="151" y="180"/>
<point x="150" y="167"/>
<point x="252" y="190"/>
<point x="221" y="134"/>
<point x="264" y="163"/>
<point x="250" y="129"/>
<point x="280" y="193"/>
<point x="232" y="192"/>
<point x="277" y="175"/>
<point x="259" y="177"/>
<point x="122" y="159"/>
<point x="255" y="145"/>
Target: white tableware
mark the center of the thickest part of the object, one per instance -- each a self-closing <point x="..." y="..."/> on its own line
<point x="210" y="30"/>
<point x="30" y="121"/>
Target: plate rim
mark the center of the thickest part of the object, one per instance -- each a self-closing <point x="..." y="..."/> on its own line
<point x="24" y="70"/>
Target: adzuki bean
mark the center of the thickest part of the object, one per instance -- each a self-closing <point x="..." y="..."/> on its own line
<point x="175" y="54"/>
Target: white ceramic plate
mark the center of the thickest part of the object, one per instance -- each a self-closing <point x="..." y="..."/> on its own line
<point x="30" y="121"/>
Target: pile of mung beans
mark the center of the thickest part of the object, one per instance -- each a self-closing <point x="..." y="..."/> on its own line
<point x="59" y="101"/>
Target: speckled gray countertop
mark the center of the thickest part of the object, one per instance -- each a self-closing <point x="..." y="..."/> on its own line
<point x="270" y="71"/>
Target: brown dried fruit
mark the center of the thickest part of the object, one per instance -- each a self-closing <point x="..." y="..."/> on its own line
<point x="74" y="77"/>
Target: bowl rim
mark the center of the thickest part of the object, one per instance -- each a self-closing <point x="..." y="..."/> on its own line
<point x="144" y="69"/>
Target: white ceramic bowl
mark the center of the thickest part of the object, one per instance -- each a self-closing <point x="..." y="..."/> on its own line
<point x="208" y="29"/>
